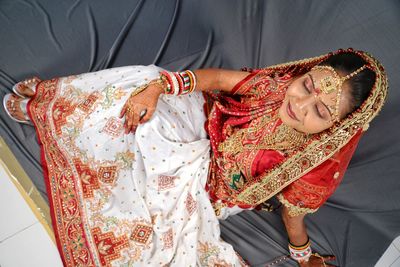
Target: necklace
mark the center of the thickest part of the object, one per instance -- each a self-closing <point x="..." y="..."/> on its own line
<point x="282" y="138"/>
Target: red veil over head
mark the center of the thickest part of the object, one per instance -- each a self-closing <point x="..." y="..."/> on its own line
<point x="304" y="179"/>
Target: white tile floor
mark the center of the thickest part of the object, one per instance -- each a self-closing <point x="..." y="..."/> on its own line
<point x="391" y="257"/>
<point x="23" y="239"/>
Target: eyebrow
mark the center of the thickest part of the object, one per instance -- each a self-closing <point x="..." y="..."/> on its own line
<point x="326" y="106"/>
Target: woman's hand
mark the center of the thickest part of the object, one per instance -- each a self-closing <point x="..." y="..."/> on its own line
<point x="139" y="108"/>
<point x="317" y="261"/>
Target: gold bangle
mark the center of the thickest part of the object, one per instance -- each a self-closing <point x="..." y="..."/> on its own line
<point x="307" y="244"/>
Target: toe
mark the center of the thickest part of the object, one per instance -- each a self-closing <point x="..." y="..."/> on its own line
<point x="13" y="106"/>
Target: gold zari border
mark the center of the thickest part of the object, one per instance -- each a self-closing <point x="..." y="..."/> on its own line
<point x="330" y="141"/>
<point x="293" y="209"/>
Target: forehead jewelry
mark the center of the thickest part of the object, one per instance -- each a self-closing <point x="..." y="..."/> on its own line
<point x="334" y="82"/>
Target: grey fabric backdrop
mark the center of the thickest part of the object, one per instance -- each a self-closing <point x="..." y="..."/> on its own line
<point x="51" y="38"/>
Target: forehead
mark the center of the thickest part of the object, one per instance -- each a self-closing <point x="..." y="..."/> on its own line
<point x="319" y="76"/>
<point x="330" y="98"/>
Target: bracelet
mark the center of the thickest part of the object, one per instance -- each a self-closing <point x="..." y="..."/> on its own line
<point x="179" y="83"/>
<point x="300" y="253"/>
<point x="140" y="89"/>
<point x="307" y="244"/>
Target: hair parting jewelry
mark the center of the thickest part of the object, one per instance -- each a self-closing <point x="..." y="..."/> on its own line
<point x="334" y="82"/>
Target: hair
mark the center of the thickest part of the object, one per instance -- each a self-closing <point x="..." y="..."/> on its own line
<point x="360" y="84"/>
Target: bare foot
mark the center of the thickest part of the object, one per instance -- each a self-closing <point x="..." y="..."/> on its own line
<point x="13" y="106"/>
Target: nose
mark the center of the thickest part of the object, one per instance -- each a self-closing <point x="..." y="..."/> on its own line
<point x="303" y="102"/>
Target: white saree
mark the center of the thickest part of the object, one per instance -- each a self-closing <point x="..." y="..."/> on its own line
<point x="127" y="200"/>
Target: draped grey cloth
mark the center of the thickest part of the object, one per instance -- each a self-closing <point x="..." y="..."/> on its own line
<point x="59" y="37"/>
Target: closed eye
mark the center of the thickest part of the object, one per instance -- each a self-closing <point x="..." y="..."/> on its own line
<point x="308" y="84"/>
<point x="306" y="87"/>
<point x="322" y="110"/>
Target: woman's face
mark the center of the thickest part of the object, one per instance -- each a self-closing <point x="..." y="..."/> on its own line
<point x="308" y="109"/>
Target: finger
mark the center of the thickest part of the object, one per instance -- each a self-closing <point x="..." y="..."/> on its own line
<point x="123" y="110"/>
<point x="147" y="116"/>
<point x="136" y="117"/>
<point x="130" y="122"/>
<point x="127" y="118"/>
<point x="134" y="121"/>
<point x="329" y="258"/>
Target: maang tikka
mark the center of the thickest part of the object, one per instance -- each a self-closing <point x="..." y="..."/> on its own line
<point x="334" y="82"/>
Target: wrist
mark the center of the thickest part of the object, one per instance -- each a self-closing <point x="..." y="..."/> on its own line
<point x="159" y="88"/>
<point x="300" y="253"/>
<point x="178" y="83"/>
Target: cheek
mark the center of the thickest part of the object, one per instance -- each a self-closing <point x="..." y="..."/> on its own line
<point x="315" y="125"/>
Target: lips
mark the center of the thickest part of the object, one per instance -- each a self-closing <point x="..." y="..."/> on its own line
<point x="290" y="112"/>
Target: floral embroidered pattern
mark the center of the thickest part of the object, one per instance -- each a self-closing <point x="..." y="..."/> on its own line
<point x="166" y="182"/>
<point x="62" y="108"/>
<point x="104" y="205"/>
<point x="168" y="240"/>
<point x="68" y="226"/>
<point x="108" y="246"/>
<point x="208" y="255"/>
<point x="142" y="233"/>
<point x="88" y="178"/>
<point x="113" y="127"/>
<point x="125" y="159"/>
<point x="190" y="203"/>
<point x="88" y="103"/>
<point x="107" y="174"/>
<point x="110" y="94"/>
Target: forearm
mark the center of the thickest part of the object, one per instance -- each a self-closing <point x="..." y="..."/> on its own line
<point x="295" y="227"/>
<point x="220" y="79"/>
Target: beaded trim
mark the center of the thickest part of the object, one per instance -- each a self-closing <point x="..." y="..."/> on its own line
<point x="293" y="209"/>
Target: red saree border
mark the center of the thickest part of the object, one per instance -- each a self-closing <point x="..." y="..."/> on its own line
<point x="67" y="255"/>
<point x="43" y="163"/>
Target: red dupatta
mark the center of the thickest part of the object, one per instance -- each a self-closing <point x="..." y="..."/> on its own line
<point x="302" y="179"/>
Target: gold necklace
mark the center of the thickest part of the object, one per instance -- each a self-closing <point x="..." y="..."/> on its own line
<point x="283" y="138"/>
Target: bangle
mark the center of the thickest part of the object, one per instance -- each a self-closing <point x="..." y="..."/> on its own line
<point x="179" y="83"/>
<point x="300" y="253"/>
<point x="307" y="244"/>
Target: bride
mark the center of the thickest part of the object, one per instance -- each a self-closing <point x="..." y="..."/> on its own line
<point x="140" y="163"/>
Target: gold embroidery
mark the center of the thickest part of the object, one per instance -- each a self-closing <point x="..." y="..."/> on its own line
<point x="315" y="153"/>
<point x="293" y="209"/>
<point x="283" y="138"/>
